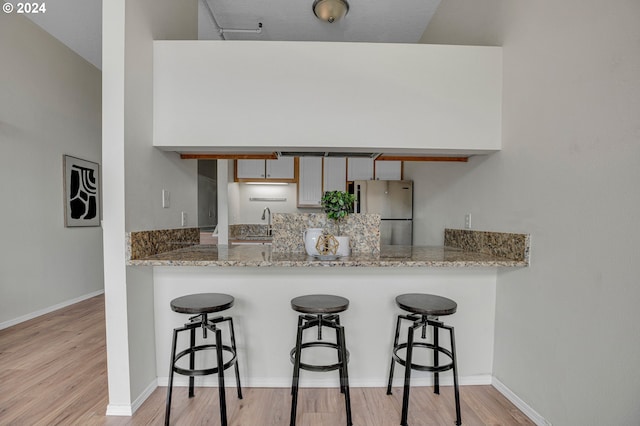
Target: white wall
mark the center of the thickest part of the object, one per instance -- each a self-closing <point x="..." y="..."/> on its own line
<point x="566" y="327"/>
<point x="243" y="210"/>
<point x="50" y="103"/>
<point x="265" y="324"/>
<point x="135" y="174"/>
<point x="466" y="22"/>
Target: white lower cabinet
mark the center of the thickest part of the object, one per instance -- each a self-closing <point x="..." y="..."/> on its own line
<point x="309" y="181"/>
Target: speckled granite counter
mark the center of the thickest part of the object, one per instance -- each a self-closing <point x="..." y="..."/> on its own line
<point x="264" y="256"/>
<point x="463" y="248"/>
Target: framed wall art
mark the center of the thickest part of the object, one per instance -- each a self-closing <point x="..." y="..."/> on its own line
<point x="81" y="192"/>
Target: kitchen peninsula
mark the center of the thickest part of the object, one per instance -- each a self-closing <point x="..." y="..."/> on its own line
<point x="264" y="280"/>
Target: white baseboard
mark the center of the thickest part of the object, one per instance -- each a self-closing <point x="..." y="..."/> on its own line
<point x="143" y="396"/>
<point x="128" y="410"/>
<point x="518" y="402"/>
<point x="119" y="410"/>
<point x="47" y="310"/>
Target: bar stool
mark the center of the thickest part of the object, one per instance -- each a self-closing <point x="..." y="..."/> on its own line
<point x="203" y="304"/>
<point x="320" y="310"/>
<point x="425" y="310"/>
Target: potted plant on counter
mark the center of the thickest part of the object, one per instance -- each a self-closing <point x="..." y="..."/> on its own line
<point x="337" y="205"/>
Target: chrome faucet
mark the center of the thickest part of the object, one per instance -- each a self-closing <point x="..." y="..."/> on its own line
<point x="264" y="212"/>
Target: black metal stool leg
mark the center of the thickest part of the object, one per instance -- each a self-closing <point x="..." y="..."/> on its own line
<point x="167" y="413"/>
<point x="340" y="357"/>
<point x="344" y="373"/>
<point x="455" y="376"/>
<point x="192" y="361"/>
<point x="235" y="350"/>
<point x="296" y="374"/>
<point x="436" y="375"/>
<point x="221" y="389"/>
<point x="293" y="379"/>
<point x="395" y="343"/>
<point x="407" y="377"/>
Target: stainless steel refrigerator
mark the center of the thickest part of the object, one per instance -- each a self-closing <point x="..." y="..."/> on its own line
<point x="393" y="200"/>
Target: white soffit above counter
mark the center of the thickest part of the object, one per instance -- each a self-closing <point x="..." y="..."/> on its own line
<point x="229" y="96"/>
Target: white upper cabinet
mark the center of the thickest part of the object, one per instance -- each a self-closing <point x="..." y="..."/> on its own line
<point x="360" y="169"/>
<point x="388" y="170"/>
<point x="309" y="181"/>
<point x="420" y="98"/>
<point x="334" y="174"/>
<point x="281" y="168"/>
<point x="250" y="169"/>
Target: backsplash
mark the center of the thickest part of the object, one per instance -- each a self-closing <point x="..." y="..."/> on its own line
<point x="500" y="244"/>
<point x="242" y="230"/>
<point x="362" y="229"/>
<point x="141" y="244"/>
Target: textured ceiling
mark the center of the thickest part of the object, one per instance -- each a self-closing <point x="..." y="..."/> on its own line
<point x="398" y="21"/>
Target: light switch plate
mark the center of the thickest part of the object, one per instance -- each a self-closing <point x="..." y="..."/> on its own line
<point x="165" y="199"/>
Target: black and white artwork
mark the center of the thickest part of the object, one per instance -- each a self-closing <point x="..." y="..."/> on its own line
<point x="81" y="192"/>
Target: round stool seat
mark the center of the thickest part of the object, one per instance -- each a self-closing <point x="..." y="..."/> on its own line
<point x="319" y="304"/>
<point x="426" y="304"/>
<point x="202" y="303"/>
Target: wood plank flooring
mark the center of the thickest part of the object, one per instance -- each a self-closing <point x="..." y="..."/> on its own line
<point x="53" y="372"/>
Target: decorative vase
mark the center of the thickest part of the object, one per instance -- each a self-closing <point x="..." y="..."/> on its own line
<point x="343" y="246"/>
<point x="310" y="237"/>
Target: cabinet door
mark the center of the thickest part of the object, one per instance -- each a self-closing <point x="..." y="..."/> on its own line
<point x="334" y="174"/>
<point x="389" y="170"/>
<point x="360" y="169"/>
<point x="309" y="181"/>
<point x="282" y="168"/>
<point x="250" y="169"/>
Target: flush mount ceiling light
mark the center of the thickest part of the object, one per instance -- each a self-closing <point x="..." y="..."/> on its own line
<point x="330" y="10"/>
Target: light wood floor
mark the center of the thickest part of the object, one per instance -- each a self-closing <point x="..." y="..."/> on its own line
<point x="53" y="372"/>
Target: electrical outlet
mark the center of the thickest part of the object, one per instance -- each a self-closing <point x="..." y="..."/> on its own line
<point x="183" y="218"/>
<point x="467" y="221"/>
<point x="165" y="199"/>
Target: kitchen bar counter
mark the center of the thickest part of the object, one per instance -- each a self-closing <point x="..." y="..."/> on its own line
<point x="263" y="280"/>
<point x="264" y="256"/>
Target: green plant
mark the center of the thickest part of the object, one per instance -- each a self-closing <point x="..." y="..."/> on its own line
<point x="337" y="205"/>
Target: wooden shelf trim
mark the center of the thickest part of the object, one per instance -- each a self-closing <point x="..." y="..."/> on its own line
<point x="265" y="156"/>
<point x="420" y="158"/>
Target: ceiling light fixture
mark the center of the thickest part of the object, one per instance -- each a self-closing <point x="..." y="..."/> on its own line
<point x="330" y="10"/>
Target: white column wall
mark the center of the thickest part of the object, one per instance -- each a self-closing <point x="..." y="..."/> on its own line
<point x="135" y="174"/>
<point x="266" y="325"/>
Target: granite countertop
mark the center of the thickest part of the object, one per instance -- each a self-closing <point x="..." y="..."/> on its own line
<point x="264" y="256"/>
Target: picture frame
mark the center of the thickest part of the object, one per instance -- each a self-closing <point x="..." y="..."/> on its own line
<point x="81" y="192"/>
